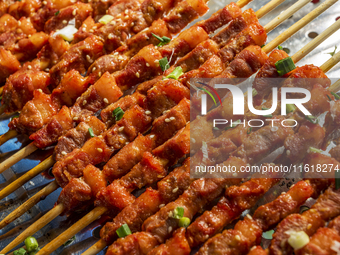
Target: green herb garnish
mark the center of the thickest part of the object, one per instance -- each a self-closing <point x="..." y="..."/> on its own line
<point x="336" y="96"/>
<point x="163" y="40"/>
<point x="164" y="64"/>
<point x="178" y="213"/>
<point x="176" y="73"/>
<point x="123" y="231"/>
<point x="332" y="53"/>
<point x="184" y="222"/>
<point x="118" y="113"/>
<point x="284" y="66"/>
<point x="91" y="132"/>
<point x="56" y="14"/>
<point x="312" y="119"/>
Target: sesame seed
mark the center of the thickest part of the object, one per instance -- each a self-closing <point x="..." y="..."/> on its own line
<point x="170" y="214"/>
<point x="99" y="74"/>
<point x="288" y="152"/>
<point x="172" y="118"/>
<point x="170" y="229"/>
<point x="100" y="150"/>
<point x="19" y="23"/>
<point x="91" y="30"/>
<point x="127" y="143"/>
<point x="84" y="102"/>
<point x="84" y="29"/>
<point x="147" y="112"/>
<point x="47" y="69"/>
<point x="73" y="1"/>
<point x="110" y="36"/>
<point x="94" y="69"/>
<point x="147" y="64"/>
<point x="249" y="217"/>
<point x="116" y="53"/>
<point x="132" y="24"/>
<point x="106" y="101"/>
<point x="29" y="36"/>
<point x="175" y="190"/>
<point x="88" y="58"/>
<point x="161" y="205"/>
<point x="120" y="129"/>
<point x="238" y="238"/>
<point x="74" y="13"/>
<point x="29" y="67"/>
<point x="64" y="21"/>
<point x="94" y="27"/>
<point x="309" y="226"/>
<point x="40" y="90"/>
<point x="100" y="136"/>
<point x="193" y="140"/>
<point x="63" y="153"/>
<point x="235" y="174"/>
<point x="32" y="183"/>
<point x="75" y="118"/>
<point x="167" y="120"/>
<point x="137" y="75"/>
<point x="152" y="136"/>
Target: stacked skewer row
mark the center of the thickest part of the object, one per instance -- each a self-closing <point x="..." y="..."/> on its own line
<point x="139" y="138"/>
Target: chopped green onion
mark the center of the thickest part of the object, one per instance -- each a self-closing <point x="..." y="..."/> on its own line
<point x="249" y="130"/>
<point x="303" y="208"/>
<point x="290" y="108"/>
<point x="265" y="108"/>
<point x="268" y="235"/>
<point x="280" y="47"/>
<point x="315" y="150"/>
<point x="123" y="231"/>
<point x="263" y="45"/>
<point x="91" y="132"/>
<point x="329" y="98"/>
<point x="31" y="243"/>
<point x="164" y="64"/>
<point x="118" y="113"/>
<point x="284" y="66"/>
<point x="216" y="128"/>
<point x="178" y="213"/>
<point x="163" y="40"/>
<point x="312" y="119"/>
<point x="176" y="73"/>
<point x="206" y="91"/>
<point x="337" y="179"/>
<point x="336" y="96"/>
<point x="15" y="116"/>
<point x="298" y="239"/>
<point x="105" y="19"/>
<point x="184" y="222"/>
<point x="69" y="241"/>
<point x="21" y="251"/>
<point x="34" y="252"/>
<point x="254" y="92"/>
<point x="332" y="53"/>
<point x="268" y="116"/>
<point x="57" y="13"/>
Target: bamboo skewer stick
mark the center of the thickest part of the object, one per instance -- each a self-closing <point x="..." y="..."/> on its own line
<point x="7" y="136"/>
<point x="96" y="248"/>
<point x="56" y="211"/>
<point x="29" y="149"/>
<point x="29" y="203"/>
<point x="268" y="8"/>
<point x="336" y="86"/>
<point x="47" y="163"/>
<point x="298" y="25"/>
<point x="285" y="15"/>
<point x="331" y="62"/>
<point x="318" y="40"/>
<point x="57" y="242"/>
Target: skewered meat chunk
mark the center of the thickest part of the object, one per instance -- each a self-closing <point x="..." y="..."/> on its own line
<point x="247" y="232"/>
<point x="262" y="142"/>
<point x="4" y="6"/>
<point x="8" y="64"/>
<point x="79" y="57"/>
<point x="76" y="137"/>
<point x="57" y="21"/>
<point x="324" y="241"/>
<point x="257" y="250"/>
<point x="326" y="208"/>
<point x="99" y="149"/>
<point x="236" y="200"/>
<point x="23" y="8"/>
<point x="178" y="244"/>
<point x="20" y="87"/>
